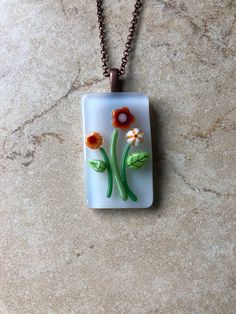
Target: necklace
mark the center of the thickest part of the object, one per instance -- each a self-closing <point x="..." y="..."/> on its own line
<point x="117" y="173"/>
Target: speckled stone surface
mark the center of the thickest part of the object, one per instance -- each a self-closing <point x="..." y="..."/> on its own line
<point x="57" y="256"/>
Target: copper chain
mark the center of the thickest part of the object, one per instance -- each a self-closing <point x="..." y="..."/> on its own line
<point x="128" y="44"/>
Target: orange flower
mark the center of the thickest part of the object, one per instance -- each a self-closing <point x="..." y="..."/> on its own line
<point x="94" y="140"/>
<point x="122" y="118"/>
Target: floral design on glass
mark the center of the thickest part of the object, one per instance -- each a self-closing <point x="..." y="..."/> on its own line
<point x="122" y="119"/>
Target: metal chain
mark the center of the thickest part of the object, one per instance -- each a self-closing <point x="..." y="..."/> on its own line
<point x="128" y="44"/>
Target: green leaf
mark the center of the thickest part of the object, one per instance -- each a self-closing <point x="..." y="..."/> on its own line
<point x="97" y="165"/>
<point x="137" y="160"/>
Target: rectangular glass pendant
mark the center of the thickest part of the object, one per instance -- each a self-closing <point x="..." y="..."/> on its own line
<point x="117" y="150"/>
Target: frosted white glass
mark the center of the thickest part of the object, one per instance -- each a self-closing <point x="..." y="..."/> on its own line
<point x="97" y="116"/>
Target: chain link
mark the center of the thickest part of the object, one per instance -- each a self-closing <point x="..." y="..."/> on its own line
<point x="129" y="41"/>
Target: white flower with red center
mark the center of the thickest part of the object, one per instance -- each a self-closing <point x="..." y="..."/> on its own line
<point x="134" y="137"/>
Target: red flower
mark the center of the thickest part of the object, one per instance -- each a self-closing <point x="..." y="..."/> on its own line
<point x="122" y="118"/>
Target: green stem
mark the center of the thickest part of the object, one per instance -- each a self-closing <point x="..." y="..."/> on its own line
<point x="126" y="150"/>
<point x="114" y="165"/>
<point x="109" y="172"/>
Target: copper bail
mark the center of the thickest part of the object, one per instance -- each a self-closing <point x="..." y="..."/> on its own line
<point x="114" y="80"/>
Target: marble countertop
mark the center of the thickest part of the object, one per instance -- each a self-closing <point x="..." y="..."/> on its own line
<point x="57" y="256"/>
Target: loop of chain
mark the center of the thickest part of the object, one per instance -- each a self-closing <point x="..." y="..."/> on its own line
<point x="128" y="44"/>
